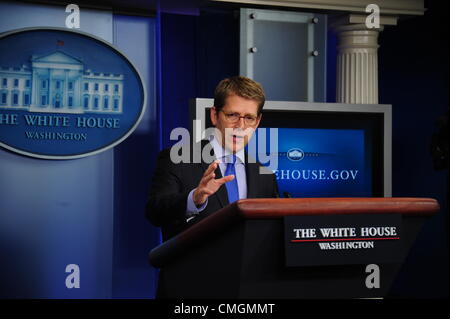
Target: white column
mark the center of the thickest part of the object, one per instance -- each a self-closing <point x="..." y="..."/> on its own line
<point x="66" y="89"/>
<point x="34" y="88"/>
<point x="78" y="90"/>
<point x="357" y="64"/>
<point x="49" y="88"/>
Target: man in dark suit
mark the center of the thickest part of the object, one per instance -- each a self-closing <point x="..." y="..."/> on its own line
<point x="183" y="193"/>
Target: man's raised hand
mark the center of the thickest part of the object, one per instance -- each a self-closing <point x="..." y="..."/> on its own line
<point x="209" y="184"/>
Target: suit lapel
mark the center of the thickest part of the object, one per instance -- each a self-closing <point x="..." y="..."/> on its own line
<point x="252" y="172"/>
<point x="221" y="194"/>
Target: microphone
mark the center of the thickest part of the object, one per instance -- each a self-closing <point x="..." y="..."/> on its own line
<point x="287" y="195"/>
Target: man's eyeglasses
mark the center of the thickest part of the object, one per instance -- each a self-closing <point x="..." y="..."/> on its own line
<point x="235" y="117"/>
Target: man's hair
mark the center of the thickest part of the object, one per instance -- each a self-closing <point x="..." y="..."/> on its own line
<point x="240" y="86"/>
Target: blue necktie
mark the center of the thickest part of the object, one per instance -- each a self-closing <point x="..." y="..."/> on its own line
<point x="232" y="186"/>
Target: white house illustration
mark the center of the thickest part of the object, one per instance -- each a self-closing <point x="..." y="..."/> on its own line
<point x="58" y="83"/>
<point x="295" y="154"/>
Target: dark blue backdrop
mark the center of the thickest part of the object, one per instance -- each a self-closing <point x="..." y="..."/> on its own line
<point x="413" y="74"/>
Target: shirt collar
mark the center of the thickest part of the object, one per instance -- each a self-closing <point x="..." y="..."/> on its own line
<point x="221" y="152"/>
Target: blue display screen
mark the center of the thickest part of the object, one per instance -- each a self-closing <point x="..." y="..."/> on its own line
<point x="323" y="154"/>
<point x="323" y="163"/>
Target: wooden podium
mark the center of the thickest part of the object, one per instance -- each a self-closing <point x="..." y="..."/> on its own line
<point x="239" y="251"/>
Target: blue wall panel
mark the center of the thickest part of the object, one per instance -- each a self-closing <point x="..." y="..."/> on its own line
<point x="178" y="71"/>
<point x="88" y="211"/>
<point x="134" y="161"/>
<point x="194" y="60"/>
<point x="55" y="213"/>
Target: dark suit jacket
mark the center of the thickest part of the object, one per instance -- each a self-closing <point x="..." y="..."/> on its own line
<point x="166" y="207"/>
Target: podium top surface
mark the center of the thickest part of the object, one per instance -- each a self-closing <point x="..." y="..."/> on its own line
<point x="279" y="207"/>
